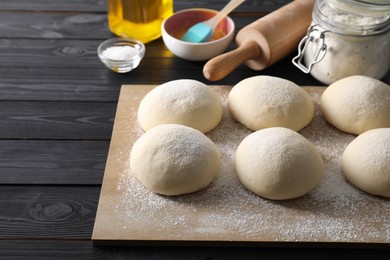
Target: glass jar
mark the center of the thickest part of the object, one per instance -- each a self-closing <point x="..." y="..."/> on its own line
<point x="346" y="37"/>
<point x="140" y="19"/>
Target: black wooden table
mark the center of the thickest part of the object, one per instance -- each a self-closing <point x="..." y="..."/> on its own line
<point x="57" y="108"/>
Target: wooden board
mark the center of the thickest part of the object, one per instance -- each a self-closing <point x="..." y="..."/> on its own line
<point x="225" y="212"/>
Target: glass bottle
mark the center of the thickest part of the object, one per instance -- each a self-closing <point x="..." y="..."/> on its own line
<point x="346" y="37"/>
<point x="140" y="19"/>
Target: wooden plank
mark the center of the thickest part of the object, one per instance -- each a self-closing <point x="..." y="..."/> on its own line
<point x="54" y="25"/>
<point x="58" y="212"/>
<point x="248" y="6"/>
<point x="50" y="5"/>
<point x="52" y="84"/>
<point x="80" y="250"/>
<point x="101" y="6"/>
<point x="49" y="25"/>
<point x="79" y="54"/>
<point x="64" y="53"/>
<point x="49" y="53"/>
<point x="52" y="162"/>
<point x="101" y="84"/>
<point x="56" y="120"/>
<point x="54" y="249"/>
<point x="225" y="212"/>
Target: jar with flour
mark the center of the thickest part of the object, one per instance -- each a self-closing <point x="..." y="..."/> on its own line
<point x="346" y="37"/>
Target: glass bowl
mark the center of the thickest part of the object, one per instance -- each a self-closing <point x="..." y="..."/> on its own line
<point x="121" y="54"/>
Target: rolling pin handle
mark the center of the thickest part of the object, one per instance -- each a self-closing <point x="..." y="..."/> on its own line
<point x="219" y="67"/>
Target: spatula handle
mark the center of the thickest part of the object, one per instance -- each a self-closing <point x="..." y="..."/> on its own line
<point x="220" y="66"/>
<point x="223" y="13"/>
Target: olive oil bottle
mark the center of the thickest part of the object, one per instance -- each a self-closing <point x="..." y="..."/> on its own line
<point x="140" y="19"/>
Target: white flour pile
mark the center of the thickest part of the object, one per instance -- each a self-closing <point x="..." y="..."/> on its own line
<point x="335" y="211"/>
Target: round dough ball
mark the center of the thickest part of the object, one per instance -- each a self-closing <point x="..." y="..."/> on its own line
<point x="185" y="101"/>
<point x="278" y="163"/>
<point x="174" y="159"/>
<point x="366" y="162"/>
<point x="356" y="104"/>
<point x="263" y="101"/>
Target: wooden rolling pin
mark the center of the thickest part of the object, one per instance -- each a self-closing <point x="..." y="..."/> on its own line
<point x="265" y="41"/>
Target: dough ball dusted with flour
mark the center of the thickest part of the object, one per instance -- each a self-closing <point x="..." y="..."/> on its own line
<point x="185" y="101"/>
<point x="263" y="101"/>
<point x="356" y="104"/>
<point x="278" y="163"/>
<point x="173" y="159"/>
<point x="366" y="161"/>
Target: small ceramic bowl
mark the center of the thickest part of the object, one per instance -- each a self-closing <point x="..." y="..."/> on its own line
<point x="174" y="27"/>
<point x="121" y="54"/>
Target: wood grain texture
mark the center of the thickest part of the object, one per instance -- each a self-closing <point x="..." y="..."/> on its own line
<point x="58" y="212"/>
<point x="84" y="250"/>
<point x="60" y="83"/>
<point x="54" y="25"/>
<point x="101" y="5"/>
<point x="50" y="53"/>
<point x="54" y="249"/>
<point x="52" y="162"/>
<point x="56" y="51"/>
<point x="69" y="25"/>
<point x="49" y="5"/>
<point x="56" y="120"/>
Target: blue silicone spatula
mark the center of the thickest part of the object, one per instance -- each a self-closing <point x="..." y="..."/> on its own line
<point x="202" y="32"/>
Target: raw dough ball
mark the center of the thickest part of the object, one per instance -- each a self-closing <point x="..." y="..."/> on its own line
<point x="264" y="101"/>
<point x="356" y="104"/>
<point x="278" y="163"/>
<point x="174" y="159"/>
<point x="185" y="102"/>
<point x="366" y="161"/>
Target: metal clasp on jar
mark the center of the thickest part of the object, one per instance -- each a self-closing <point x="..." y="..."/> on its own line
<point x="311" y="36"/>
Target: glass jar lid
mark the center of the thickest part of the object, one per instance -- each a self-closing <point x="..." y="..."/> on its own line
<point x="355" y="17"/>
<point x="376" y="2"/>
<point x="378" y="5"/>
